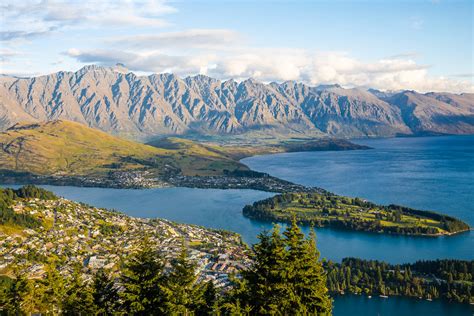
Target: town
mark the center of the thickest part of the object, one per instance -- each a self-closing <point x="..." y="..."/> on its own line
<point x="262" y="182"/>
<point x="97" y="238"/>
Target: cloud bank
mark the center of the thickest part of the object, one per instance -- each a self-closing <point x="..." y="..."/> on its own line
<point x="217" y="52"/>
<point x="279" y="64"/>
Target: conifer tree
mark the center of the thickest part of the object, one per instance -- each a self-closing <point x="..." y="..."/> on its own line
<point x="79" y="299"/>
<point x="104" y="293"/>
<point x="180" y="289"/>
<point x="142" y="280"/>
<point x="209" y="299"/>
<point x="54" y="289"/>
<point x="20" y="298"/>
<point x="266" y="279"/>
<point x="306" y="276"/>
<point x="286" y="277"/>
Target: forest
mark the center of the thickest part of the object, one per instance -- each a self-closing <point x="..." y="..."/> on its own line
<point x="9" y="217"/>
<point x="446" y="279"/>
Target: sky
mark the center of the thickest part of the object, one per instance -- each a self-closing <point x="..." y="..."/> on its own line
<point x="423" y="45"/>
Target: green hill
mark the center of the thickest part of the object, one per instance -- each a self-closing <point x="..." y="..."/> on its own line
<point x="68" y="153"/>
<point x="64" y="148"/>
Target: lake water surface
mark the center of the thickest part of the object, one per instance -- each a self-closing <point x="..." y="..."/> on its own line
<point x="355" y="305"/>
<point x="435" y="173"/>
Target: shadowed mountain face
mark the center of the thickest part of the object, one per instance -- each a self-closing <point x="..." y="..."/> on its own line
<point x="163" y="104"/>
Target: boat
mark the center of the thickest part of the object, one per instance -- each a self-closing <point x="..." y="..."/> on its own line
<point x="383" y="296"/>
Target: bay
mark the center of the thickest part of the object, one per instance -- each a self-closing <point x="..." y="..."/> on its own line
<point x="435" y="173"/>
<point x="356" y="305"/>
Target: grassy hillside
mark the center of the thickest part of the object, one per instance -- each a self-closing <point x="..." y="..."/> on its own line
<point x="69" y="153"/>
<point x="69" y="148"/>
<point x="198" y="159"/>
<point x="236" y="149"/>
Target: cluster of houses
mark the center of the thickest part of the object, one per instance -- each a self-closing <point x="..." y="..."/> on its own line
<point x="264" y="183"/>
<point x="97" y="238"/>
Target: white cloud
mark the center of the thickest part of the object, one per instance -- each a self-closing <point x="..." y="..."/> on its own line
<point x="416" y="23"/>
<point x="221" y="53"/>
<point x="193" y="38"/>
<point x="271" y="64"/>
<point x="6" y="53"/>
<point x="6" y="56"/>
<point x="30" y="18"/>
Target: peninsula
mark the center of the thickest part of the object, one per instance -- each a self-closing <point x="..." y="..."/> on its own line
<point x="69" y="153"/>
<point x="39" y="230"/>
<point x="330" y="210"/>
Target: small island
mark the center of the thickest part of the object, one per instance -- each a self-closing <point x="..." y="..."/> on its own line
<point x="330" y="210"/>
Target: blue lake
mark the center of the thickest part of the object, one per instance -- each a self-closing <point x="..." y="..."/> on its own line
<point x="354" y="305"/>
<point x="435" y="173"/>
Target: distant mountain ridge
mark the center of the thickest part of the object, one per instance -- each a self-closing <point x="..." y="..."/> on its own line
<point x="143" y="107"/>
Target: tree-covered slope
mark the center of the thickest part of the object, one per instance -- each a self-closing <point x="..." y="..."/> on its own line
<point x="328" y="209"/>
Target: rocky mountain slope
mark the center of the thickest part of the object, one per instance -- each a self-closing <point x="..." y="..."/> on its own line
<point x="163" y="104"/>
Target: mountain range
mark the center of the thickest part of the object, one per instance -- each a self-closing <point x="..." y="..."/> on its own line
<point x="143" y="107"/>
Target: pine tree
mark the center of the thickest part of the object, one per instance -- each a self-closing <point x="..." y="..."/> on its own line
<point x="207" y="303"/>
<point x="54" y="290"/>
<point x="142" y="281"/>
<point x="306" y="274"/>
<point x="20" y="297"/>
<point x="182" y="294"/>
<point x="104" y="293"/>
<point x="286" y="277"/>
<point x="79" y="299"/>
<point x="210" y="297"/>
<point x="267" y="286"/>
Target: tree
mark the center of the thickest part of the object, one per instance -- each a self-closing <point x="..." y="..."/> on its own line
<point x="104" y="293"/>
<point x="142" y="282"/>
<point x="20" y="296"/>
<point x="266" y="281"/>
<point x="306" y="275"/>
<point x="286" y="277"/>
<point x="182" y="293"/>
<point x="54" y="289"/>
<point x="79" y="296"/>
<point x="208" y="304"/>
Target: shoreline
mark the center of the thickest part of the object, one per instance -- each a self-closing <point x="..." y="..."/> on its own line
<point x="329" y="266"/>
<point x="248" y="179"/>
<point x="333" y="227"/>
